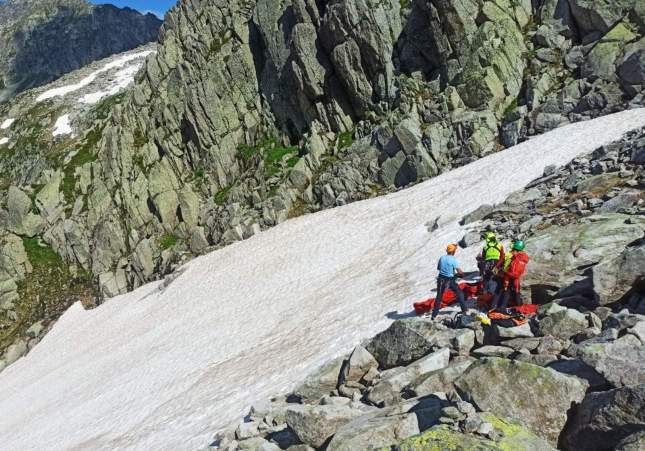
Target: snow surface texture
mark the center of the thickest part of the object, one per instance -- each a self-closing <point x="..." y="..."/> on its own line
<point x="166" y="366"/>
<point x="4" y="141"/>
<point x="121" y="80"/>
<point x="6" y="124"/>
<point x="62" y="126"/>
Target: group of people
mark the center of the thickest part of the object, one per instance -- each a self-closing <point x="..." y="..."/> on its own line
<point x="500" y="273"/>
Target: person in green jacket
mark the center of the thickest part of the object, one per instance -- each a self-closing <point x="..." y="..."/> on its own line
<point x="491" y="261"/>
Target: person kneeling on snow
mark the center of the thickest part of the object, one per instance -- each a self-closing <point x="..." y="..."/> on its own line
<point x="448" y="267"/>
<point x="513" y="271"/>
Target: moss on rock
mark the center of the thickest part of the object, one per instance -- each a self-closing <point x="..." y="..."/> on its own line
<point x="513" y="437"/>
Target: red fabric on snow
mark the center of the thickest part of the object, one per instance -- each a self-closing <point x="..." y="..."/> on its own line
<point x="470" y="291"/>
<point x="449" y="297"/>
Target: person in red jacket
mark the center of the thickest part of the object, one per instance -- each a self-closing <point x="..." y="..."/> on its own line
<point x="511" y="276"/>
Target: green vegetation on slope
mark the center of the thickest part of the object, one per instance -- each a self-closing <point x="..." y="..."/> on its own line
<point x="50" y="289"/>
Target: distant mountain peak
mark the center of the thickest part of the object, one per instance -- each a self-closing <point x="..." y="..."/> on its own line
<point x="41" y="40"/>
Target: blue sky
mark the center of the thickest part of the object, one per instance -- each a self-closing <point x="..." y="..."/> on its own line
<point x="158" y="7"/>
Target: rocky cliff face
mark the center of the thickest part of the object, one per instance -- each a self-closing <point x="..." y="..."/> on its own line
<point x="44" y="39"/>
<point x="252" y="112"/>
<point x="257" y="111"/>
<point x="45" y="134"/>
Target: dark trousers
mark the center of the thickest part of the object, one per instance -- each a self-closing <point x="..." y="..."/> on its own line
<point x="505" y="295"/>
<point x="488" y="278"/>
<point x="444" y="283"/>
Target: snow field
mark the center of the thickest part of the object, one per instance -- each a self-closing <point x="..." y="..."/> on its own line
<point x="120" y="62"/>
<point x="166" y="366"/>
<point x="62" y="126"/>
<point x="7" y="123"/>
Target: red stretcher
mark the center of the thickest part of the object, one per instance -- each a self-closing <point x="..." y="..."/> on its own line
<point x="470" y="290"/>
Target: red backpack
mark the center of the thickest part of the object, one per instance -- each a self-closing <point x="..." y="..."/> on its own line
<point x="517" y="267"/>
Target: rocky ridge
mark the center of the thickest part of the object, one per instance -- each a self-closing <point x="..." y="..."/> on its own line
<point x="572" y="377"/>
<point x="46" y="134"/>
<point x="45" y="39"/>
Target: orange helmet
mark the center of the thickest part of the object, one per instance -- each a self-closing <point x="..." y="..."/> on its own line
<point x="452" y="248"/>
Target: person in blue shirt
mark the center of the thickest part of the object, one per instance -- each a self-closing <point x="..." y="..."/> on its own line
<point x="448" y="267"/>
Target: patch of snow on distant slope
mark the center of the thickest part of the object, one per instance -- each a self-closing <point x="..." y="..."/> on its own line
<point x="6" y="124"/>
<point x="120" y="62"/>
<point x="62" y="126"/>
<point x="3" y="141"/>
<point x="122" y="79"/>
<point x="164" y="367"/>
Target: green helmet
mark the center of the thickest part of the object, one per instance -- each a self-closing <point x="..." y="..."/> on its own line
<point x="518" y="245"/>
<point x="490" y="236"/>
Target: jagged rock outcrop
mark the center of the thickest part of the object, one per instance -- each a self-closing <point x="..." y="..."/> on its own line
<point x="44" y="39"/>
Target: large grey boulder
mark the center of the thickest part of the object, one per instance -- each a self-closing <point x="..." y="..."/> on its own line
<point x="320" y="382"/>
<point x="600" y="62"/>
<point x="604" y="419"/>
<point x="439" y="381"/>
<point x="388" y="390"/>
<point x="314" y="425"/>
<point x="387" y="427"/>
<point x="578" y="368"/>
<point x="493" y="351"/>
<point x="523" y="331"/>
<point x="372" y="432"/>
<point x="518" y="344"/>
<point x="632" y="68"/>
<point x="510" y="435"/>
<point x="21" y="220"/>
<point x="558" y="253"/>
<point x="13" y="257"/>
<point x="625" y="199"/>
<point x="614" y="277"/>
<point x="563" y="324"/>
<point x="598" y="15"/>
<point x="359" y="363"/>
<point x="538" y="397"/>
<point x="619" y="361"/>
<point x="403" y="342"/>
<point x="410" y="339"/>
